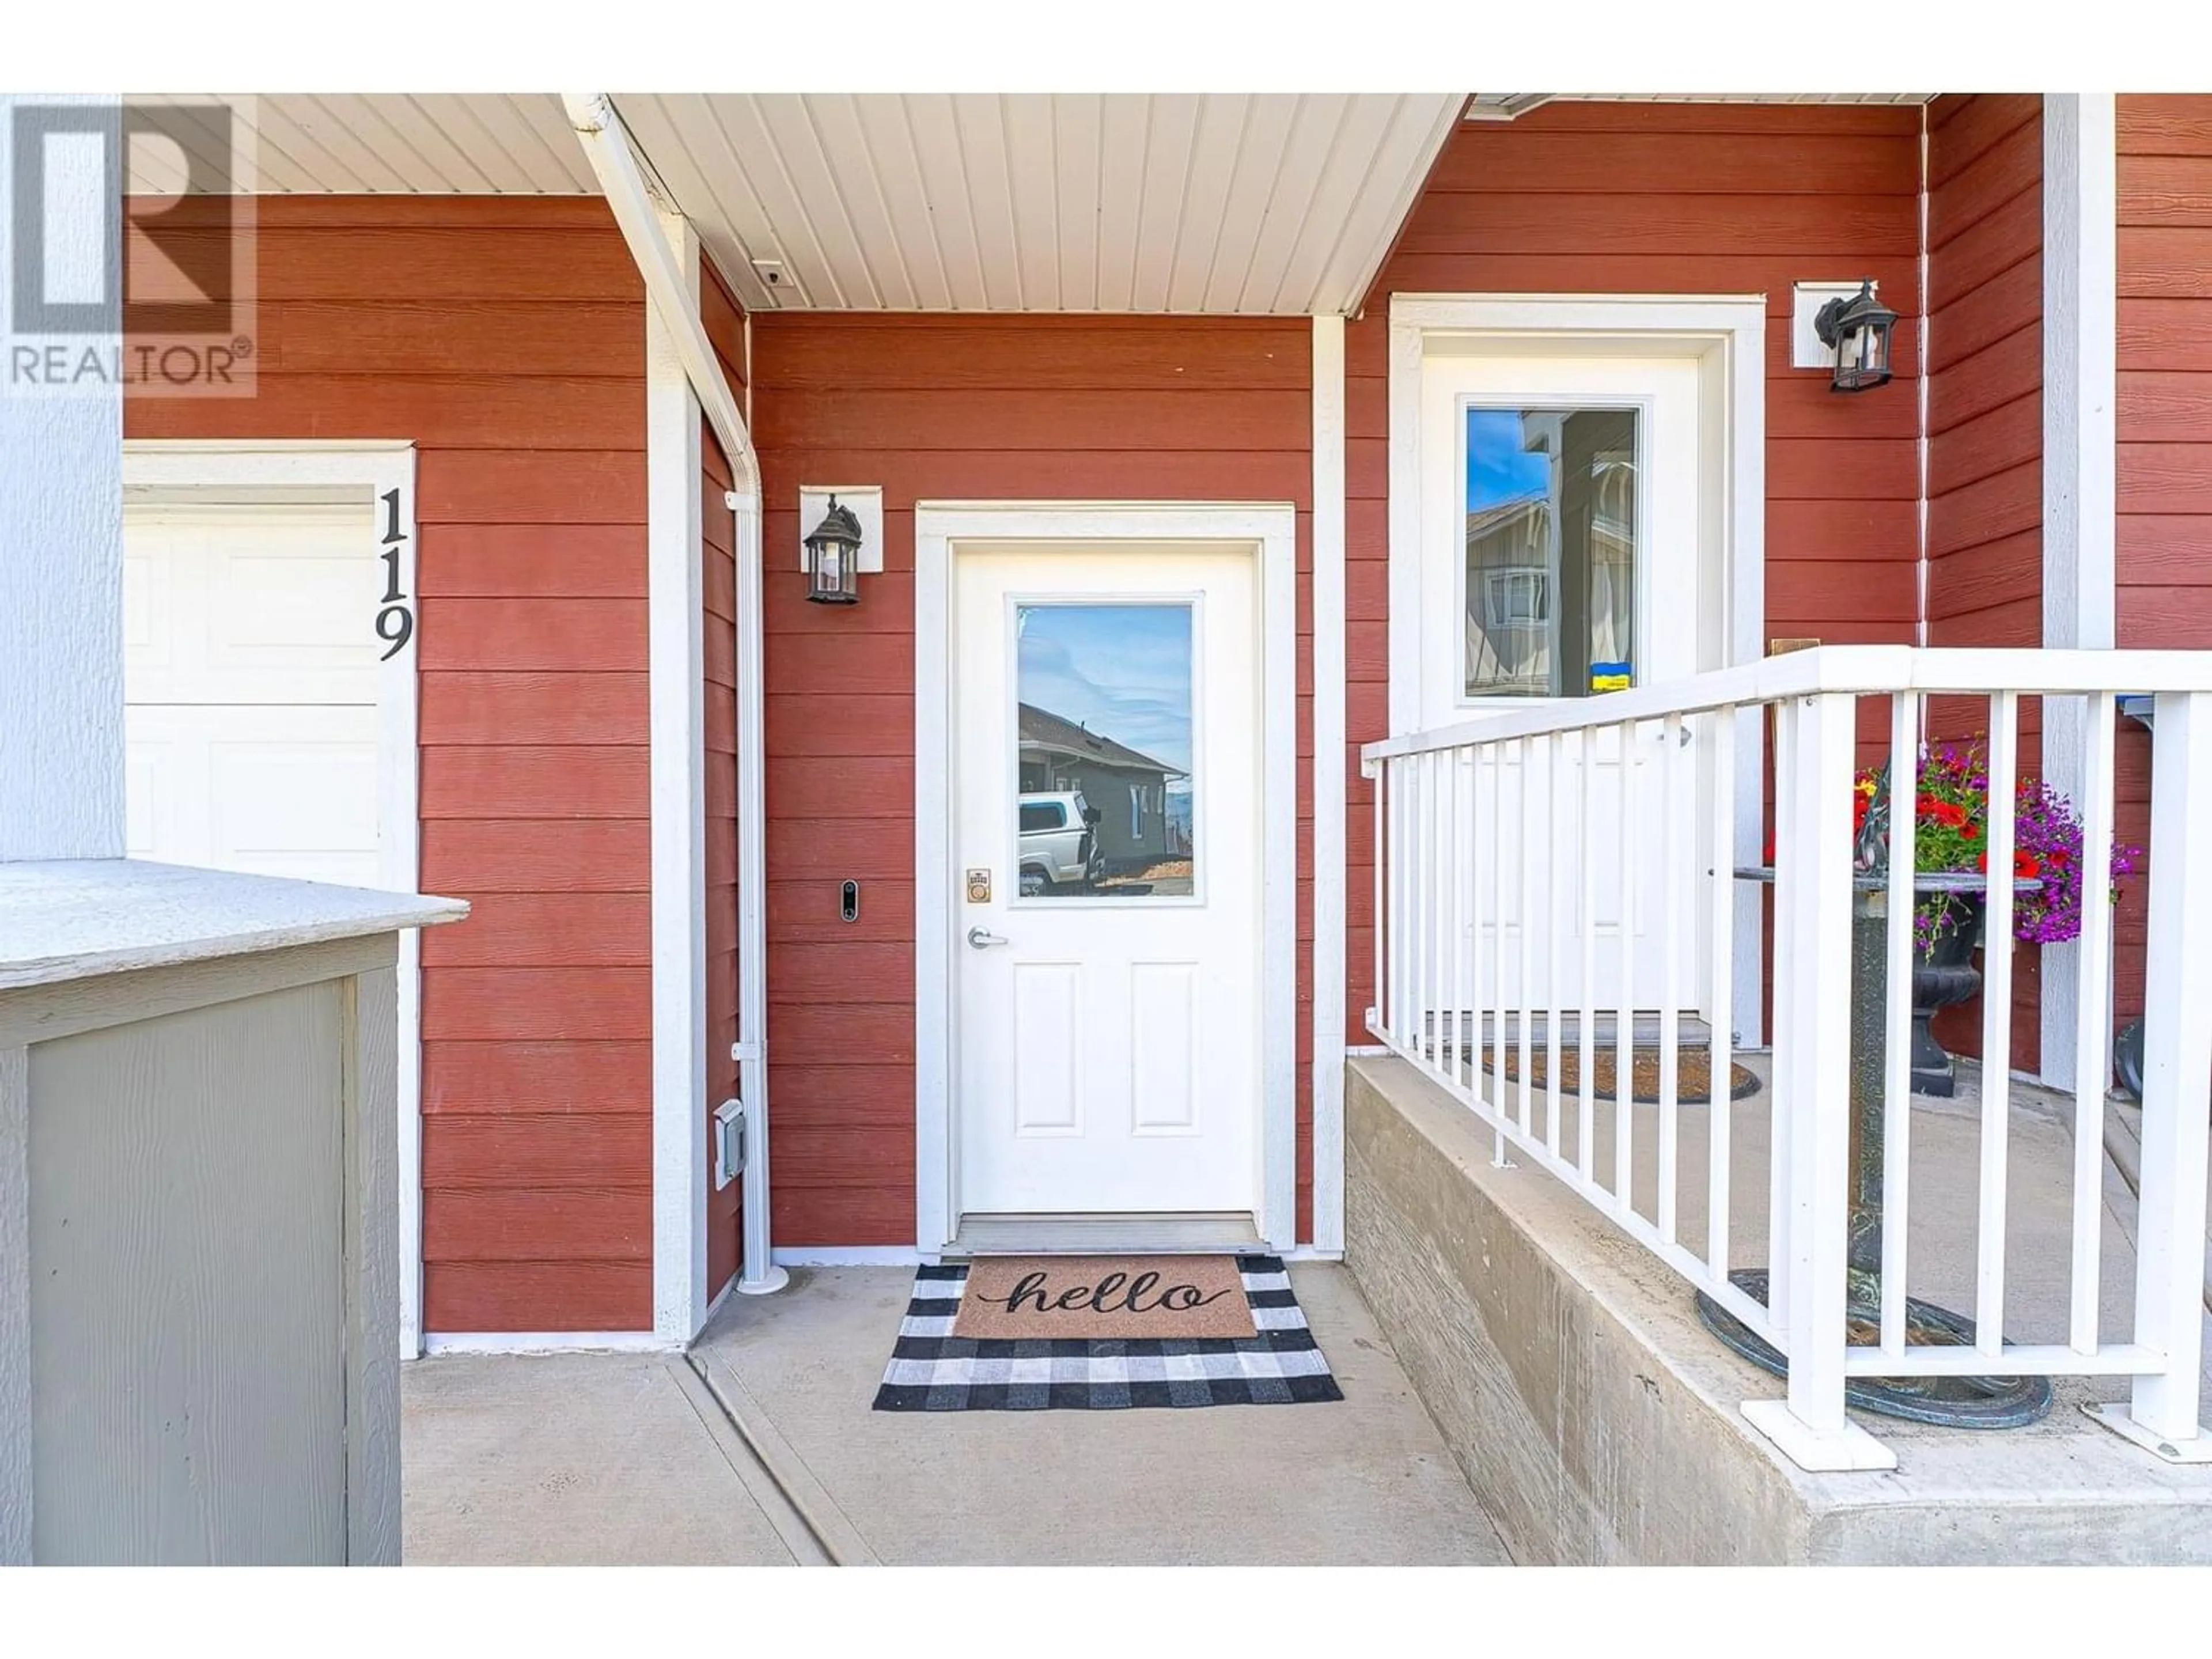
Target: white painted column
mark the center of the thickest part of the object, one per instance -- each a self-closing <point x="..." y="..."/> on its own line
<point x="677" y="723"/>
<point x="2080" y="323"/>
<point x="60" y="536"/>
<point x="2177" y="1076"/>
<point x="1328" y="784"/>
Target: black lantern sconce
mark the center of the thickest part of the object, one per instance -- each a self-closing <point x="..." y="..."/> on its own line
<point x="833" y="557"/>
<point x="1858" y="329"/>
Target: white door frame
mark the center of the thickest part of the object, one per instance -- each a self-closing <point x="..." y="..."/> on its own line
<point x="1270" y="531"/>
<point x="1728" y="332"/>
<point x="265" y="472"/>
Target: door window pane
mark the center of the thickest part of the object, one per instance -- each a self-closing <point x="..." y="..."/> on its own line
<point x="1104" y="702"/>
<point x="1551" y="551"/>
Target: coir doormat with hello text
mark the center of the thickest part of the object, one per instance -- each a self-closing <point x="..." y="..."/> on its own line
<point x="1103" y="1332"/>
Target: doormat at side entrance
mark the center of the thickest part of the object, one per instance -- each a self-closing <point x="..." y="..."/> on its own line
<point x="932" y="1369"/>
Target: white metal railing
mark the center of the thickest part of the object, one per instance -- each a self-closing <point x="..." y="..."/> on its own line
<point x="1543" y="873"/>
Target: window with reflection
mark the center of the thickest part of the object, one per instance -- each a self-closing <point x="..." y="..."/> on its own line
<point x="1103" y="717"/>
<point x="1551" y="551"/>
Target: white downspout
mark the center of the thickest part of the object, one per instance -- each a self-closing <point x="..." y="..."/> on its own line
<point x="612" y="153"/>
<point x="758" y="1275"/>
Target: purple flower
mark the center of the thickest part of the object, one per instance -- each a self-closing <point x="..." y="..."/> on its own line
<point x="2045" y="829"/>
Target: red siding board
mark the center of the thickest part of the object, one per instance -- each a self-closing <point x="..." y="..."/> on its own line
<point x="542" y="1152"/>
<point x="546" y="930"/>
<point x="527" y="1005"/>
<point x="2177" y="124"/>
<point x="570" y="782"/>
<point x="515" y="1296"/>
<point x="531" y="708"/>
<point x="473" y="336"/>
<point x="600" y="635"/>
<point x="449" y="412"/>
<point x="537" y="1223"/>
<point x="484" y="1078"/>
<point x="465" y="857"/>
<point x="532" y="560"/>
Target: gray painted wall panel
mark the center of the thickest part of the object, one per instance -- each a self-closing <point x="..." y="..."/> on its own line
<point x="188" y="1285"/>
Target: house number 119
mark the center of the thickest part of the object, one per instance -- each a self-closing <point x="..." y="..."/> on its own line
<point x="395" y="623"/>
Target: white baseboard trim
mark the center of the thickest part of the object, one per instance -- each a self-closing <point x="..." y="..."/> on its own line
<point x="548" y="1342"/>
<point x="1308" y="1252"/>
<point x="849" y="1255"/>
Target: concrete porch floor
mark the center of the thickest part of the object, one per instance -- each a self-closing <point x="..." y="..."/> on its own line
<point x="629" y="1459"/>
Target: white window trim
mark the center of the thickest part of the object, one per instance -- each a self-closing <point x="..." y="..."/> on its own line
<point x="1631" y="325"/>
<point x="163" y="471"/>
<point x="1272" y="530"/>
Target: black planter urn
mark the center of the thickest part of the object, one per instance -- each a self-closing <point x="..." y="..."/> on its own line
<point x="1943" y="978"/>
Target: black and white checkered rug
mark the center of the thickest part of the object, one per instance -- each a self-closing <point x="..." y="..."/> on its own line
<point x="933" y="1371"/>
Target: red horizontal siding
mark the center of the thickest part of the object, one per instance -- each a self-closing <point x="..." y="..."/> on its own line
<point x="482" y="1078"/>
<point x="1985" y="425"/>
<point x="532" y="560"/>
<point x="2163" y="570"/>
<point x="1645" y="198"/>
<point x="504" y="338"/>
<point x="1002" y="407"/>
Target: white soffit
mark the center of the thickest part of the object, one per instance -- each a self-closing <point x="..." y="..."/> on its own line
<point x="432" y="144"/>
<point x="1261" y="204"/>
<point x="1275" y="203"/>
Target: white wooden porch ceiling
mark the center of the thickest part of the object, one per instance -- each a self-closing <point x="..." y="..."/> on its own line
<point x="977" y="202"/>
<point x="1273" y="204"/>
<point x="1276" y="204"/>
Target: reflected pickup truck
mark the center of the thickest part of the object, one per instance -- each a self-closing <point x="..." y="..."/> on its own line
<point x="1060" y="847"/>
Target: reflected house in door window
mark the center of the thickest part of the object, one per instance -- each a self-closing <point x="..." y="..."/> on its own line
<point x="1103" y="712"/>
<point x="1551" y="551"/>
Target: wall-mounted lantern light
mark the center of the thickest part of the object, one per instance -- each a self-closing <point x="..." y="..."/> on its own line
<point x="1858" y="329"/>
<point x="833" y="557"/>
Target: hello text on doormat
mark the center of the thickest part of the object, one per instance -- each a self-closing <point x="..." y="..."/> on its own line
<point x="1098" y="1296"/>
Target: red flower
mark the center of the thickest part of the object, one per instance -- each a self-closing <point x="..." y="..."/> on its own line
<point x="2025" y="866"/>
<point x="1970" y="831"/>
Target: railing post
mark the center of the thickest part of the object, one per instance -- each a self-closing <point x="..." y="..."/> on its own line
<point x="2177" y="1079"/>
<point x="1811" y="1090"/>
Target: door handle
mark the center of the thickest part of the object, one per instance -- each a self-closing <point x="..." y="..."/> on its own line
<point x="983" y="938"/>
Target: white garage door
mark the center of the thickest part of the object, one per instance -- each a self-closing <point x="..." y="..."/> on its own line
<point x="250" y="680"/>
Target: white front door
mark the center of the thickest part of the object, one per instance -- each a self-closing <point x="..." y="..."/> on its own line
<point x="1107" y="756"/>
<point x="250" y="690"/>
<point x="1564" y="557"/>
